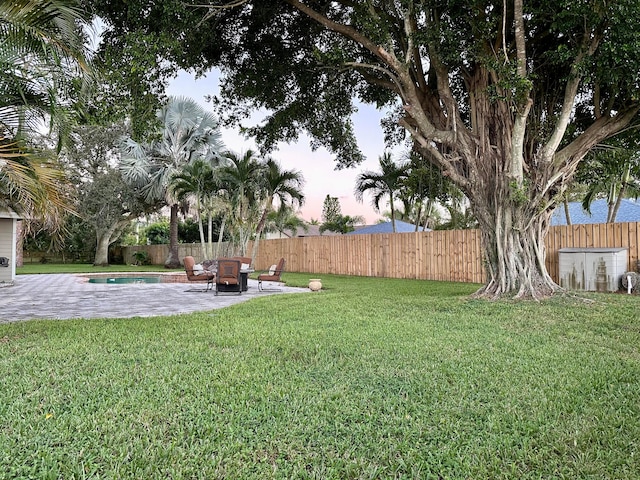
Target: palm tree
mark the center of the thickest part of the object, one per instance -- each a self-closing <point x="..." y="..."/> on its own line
<point x="242" y="179"/>
<point x="383" y="184"/>
<point x="420" y="191"/>
<point x="33" y="184"/>
<point x="342" y="224"/>
<point x="285" y="220"/>
<point x="612" y="172"/>
<point x="189" y="133"/>
<point x="42" y="56"/>
<point x="285" y="186"/>
<point x="195" y="180"/>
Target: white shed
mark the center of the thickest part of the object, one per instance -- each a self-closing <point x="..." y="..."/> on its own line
<point x="592" y="269"/>
<point x="8" y="232"/>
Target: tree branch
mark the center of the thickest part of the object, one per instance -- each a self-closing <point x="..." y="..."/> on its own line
<point x="427" y="146"/>
<point x="397" y="86"/>
<point x="589" y="45"/>
<point x="522" y="112"/>
<point x="348" y="32"/>
<point x="566" y="160"/>
<point x="413" y="104"/>
<point x="213" y="9"/>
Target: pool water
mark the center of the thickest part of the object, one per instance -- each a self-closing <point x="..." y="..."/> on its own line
<point x="121" y="280"/>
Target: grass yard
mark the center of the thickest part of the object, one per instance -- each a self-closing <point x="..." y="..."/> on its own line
<point x="37" y="268"/>
<point x="370" y="378"/>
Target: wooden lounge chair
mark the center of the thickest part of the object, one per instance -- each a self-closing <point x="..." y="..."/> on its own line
<point x="198" y="275"/>
<point x="228" y="276"/>
<point x="272" y="275"/>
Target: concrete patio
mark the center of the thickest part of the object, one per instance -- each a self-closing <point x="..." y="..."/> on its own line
<point x="65" y="296"/>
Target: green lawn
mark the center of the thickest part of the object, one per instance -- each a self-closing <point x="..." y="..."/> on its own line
<point x="37" y="268"/>
<point x="370" y="378"/>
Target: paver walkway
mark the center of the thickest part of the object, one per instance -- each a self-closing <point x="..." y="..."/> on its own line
<point x="63" y="296"/>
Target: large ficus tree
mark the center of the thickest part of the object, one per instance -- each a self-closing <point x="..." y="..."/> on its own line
<point x="506" y="98"/>
<point x="105" y="202"/>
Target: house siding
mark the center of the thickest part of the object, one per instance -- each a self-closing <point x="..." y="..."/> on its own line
<point x="7" y="248"/>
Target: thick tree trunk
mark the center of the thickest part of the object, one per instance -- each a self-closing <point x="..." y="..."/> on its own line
<point x="172" y="260"/>
<point x="102" y="248"/>
<point x="513" y="236"/>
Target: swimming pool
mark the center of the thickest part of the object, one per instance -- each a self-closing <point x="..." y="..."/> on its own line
<point x="122" y="280"/>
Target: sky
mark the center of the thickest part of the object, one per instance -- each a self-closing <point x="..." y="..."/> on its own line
<point x="317" y="167"/>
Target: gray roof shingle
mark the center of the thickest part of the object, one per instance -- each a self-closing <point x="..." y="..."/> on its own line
<point x="629" y="212"/>
<point x="386" y="227"/>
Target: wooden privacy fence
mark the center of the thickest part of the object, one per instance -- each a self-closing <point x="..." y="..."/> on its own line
<point x="443" y="255"/>
<point x="449" y="255"/>
<point x="157" y="254"/>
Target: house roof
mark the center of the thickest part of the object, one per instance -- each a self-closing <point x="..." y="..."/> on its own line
<point x="9" y="214"/>
<point x="312" y="231"/>
<point x="386" y="227"/>
<point x="629" y="212"/>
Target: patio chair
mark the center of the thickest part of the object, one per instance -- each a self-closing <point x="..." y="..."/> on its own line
<point x="244" y="261"/>
<point x="195" y="274"/>
<point x="272" y="275"/>
<point x="228" y="276"/>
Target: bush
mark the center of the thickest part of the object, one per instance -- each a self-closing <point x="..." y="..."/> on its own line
<point x="188" y="231"/>
<point x="158" y="233"/>
<point x="140" y="257"/>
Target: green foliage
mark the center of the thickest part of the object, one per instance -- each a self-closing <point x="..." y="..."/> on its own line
<point x="306" y="67"/>
<point x="134" y="78"/>
<point x="188" y="231"/>
<point x="141" y="257"/>
<point x="77" y="243"/>
<point x="612" y="171"/>
<point x="416" y="382"/>
<point x="284" y="220"/>
<point x="157" y="233"/>
<point x="105" y="201"/>
<point x="383" y="184"/>
<point x="333" y="220"/>
<point x="43" y="61"/>
<point x="341" y="224"/>
<point x="519" y="192"/>
<point x="44" y="76"/>
<point x="186" y="133"/>
<point x="483" y="89"/>
<point x="331" y="209"/>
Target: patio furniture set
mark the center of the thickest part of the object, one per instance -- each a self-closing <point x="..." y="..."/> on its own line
<point x="229" y="274"/>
